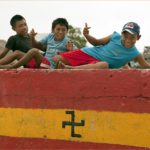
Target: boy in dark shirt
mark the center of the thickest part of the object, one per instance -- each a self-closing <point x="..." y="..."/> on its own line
<point x="55" y="42"/>
<point x="19" y="43"/>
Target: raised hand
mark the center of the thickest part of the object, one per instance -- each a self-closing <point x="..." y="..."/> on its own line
<point x="86" y="30"/>
<point x="32" y="33"/>
<point x="69" y="45"/>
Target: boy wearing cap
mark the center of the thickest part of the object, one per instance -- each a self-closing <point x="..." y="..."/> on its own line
<point x="113" y="51"/>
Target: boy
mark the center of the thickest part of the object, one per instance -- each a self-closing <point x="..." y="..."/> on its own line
<point x="113" y="51"/>
<point x="19" y="43"/>
<point x="56" y="42"/>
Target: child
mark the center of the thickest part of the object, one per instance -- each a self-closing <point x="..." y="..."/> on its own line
<point x="113" y="51"/>
<point x="56" y="42"/>
<point x="19" y="43"/>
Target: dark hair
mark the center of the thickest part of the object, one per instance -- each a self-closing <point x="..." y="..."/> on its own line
<point x="61" y="21"/>
<point x="14" y="19"/>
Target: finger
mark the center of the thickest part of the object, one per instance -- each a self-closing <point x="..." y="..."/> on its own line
<point x="32" y="30"/>
<point x="86" y="25"/>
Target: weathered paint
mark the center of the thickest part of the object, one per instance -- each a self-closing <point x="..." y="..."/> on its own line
<point x="115" y="105"/>
<point x="14" y="143"/>
<point x="100" y="127"/>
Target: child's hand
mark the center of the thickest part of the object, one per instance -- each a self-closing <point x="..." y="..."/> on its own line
<point x="32" y="33"/>
<point x="69" y="45"/>
<point x="86" y="30"/>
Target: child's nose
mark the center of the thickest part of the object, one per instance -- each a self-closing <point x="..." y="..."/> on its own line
<point x="24" y="27"/>
<point x="127" y="40"/>
<point x="60" y="31"/>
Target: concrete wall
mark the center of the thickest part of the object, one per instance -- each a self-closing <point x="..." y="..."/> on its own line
<point x="97" y="109"/>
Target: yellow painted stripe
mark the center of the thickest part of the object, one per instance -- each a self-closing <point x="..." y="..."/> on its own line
<point x="132" y="129"/>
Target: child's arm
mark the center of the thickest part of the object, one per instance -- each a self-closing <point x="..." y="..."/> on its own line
<point x="4" y="52"/>
<point x="143" y="63"/>
<point x="35" y="43"/>
<point x="93" y="40"/>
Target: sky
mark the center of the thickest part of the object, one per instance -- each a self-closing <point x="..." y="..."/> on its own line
<point x="104" y="17"/>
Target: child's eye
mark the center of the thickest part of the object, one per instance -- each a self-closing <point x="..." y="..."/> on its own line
<point x="58" y="29"/>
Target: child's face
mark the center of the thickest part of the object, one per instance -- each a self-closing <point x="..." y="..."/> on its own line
<point x="60" y="31"/>
<point x="129" y="40"/>
<point x="21" y="27"/>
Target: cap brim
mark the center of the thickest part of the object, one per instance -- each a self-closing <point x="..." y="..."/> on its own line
<point x="130" y="31"/>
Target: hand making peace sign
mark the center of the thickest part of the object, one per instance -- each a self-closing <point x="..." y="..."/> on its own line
<point x="86" y="29"/>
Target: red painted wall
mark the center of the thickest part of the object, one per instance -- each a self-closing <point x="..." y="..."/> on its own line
<point x="115" y="90"/>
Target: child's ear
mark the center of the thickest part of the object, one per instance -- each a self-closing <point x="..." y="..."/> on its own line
<point x="139" y="36"/>
<point x="13" y="28"/>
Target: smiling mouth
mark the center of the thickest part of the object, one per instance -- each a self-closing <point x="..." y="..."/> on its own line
<point x="25" y="31"/>
<point x="128" y="43"/>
